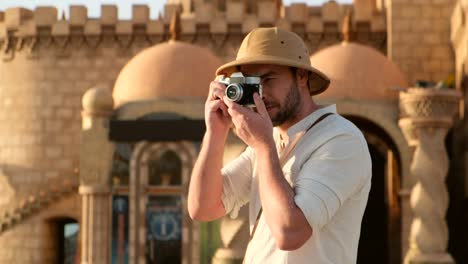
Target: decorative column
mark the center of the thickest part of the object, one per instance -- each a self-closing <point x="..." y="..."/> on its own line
<point x="234" y="237"/>
<point x="95" y="165"/>
<point x="234" y="233"/>
<point x="426" y="116"/>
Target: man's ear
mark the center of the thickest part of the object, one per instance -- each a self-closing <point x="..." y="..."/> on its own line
<point x="302" y="77"/>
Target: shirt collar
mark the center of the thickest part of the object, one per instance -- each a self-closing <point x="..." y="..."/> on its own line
<point x="309" y="120"/>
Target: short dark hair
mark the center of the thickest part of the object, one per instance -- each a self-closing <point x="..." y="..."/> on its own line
<point x="295" y="70"/>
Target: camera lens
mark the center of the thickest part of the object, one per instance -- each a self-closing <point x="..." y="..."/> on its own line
<point x="231" y="93"/>
<point x="234" y="92"/>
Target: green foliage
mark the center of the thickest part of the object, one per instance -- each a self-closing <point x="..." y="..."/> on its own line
<point x="209" y="241"/>
<point x="448" y="83"/>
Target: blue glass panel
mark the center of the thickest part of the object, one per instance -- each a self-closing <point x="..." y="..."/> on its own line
<point x="120" y="229"/>
<point x="70" y="242"/>
<point x="164" y="229"/>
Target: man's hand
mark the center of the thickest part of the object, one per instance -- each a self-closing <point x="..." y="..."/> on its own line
<point x="254" y="128"/>
<point x="217" y="119"/>
<point x="206" y="183"/>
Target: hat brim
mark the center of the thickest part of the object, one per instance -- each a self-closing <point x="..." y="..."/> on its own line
<point x="318" y="81"/>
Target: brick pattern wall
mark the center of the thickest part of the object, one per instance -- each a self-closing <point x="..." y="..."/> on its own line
<point x="34" y="241"/>
<point x="40" y="135"/>
<point x="40" y="112"/>
<point x="419" y="38"/>
<point x="46" y="65"/>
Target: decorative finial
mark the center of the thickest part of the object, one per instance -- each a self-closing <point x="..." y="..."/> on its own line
<point x="279" y="7"/>
<point x="175" y="26"/>
<point x="347" y="30"/>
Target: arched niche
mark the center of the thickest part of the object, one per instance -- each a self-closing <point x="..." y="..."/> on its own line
<point x="157" y="202"/>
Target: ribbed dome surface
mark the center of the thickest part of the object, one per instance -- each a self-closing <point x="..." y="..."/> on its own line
<point x="169" y="70"/>
<point x="359" y="72"/>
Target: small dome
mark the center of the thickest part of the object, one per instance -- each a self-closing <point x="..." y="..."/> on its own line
<point x="97" y="100"/>
<point x="359" y="72"/>
<point x="168" y="70"/>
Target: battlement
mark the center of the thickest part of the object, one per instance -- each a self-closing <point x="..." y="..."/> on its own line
<point x="21" y="21"/>
<point x="22" y="28"/>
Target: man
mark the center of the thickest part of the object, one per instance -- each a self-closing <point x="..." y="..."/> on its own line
<point x="306" y="202"/>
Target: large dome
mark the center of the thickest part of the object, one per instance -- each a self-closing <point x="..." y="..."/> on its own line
<point x="358" y="72"/>
<point x="169" y="70"/>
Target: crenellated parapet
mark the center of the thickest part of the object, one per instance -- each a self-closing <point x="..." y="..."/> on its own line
<point x="206" y="23"/>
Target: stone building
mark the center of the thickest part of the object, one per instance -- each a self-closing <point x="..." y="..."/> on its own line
<point x="102" y="118"/>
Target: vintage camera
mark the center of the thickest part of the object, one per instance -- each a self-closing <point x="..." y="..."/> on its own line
<point x="240" y="89"/>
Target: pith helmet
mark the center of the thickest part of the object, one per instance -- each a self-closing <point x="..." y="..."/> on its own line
<point x="280" y="47"/>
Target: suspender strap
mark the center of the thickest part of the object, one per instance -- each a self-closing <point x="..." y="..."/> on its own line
<point x="283" y="157"/>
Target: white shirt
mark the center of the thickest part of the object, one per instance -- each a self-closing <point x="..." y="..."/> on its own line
<point x="330" y="171"/>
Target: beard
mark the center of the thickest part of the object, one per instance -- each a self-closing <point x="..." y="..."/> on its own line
<point x="289" y="108"/>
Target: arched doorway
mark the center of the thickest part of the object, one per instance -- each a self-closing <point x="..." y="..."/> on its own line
<point x="66" y="243"/>
<point x="149" y="219"/>
<point x="380" y="239"/>
<point x="373" y="241"/>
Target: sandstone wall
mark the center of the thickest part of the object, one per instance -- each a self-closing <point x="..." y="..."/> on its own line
<point x="419" y="38"/>
<point x="46" y="65"/>
<point x="34" y="240"/>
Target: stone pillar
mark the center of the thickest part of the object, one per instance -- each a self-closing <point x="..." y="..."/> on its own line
<point x="95" y="165"/>
<point x="95" y="242"/>
<point x="234" y="233"/>
<point x="234" y="237"/>
<point x="426" y="116"/>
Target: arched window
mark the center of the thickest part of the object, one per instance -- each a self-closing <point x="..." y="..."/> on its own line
<point x="150" y="223"/>
<point x="164" y="208"/>
<point x="165" y="170"/>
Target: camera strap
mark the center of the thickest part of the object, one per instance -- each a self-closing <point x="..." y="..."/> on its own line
<point x="283" y="157"/>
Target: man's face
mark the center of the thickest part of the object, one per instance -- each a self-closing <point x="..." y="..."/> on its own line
<point x="280" y="91"/>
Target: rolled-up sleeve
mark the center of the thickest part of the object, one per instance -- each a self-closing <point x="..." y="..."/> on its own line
<point x="332" y="174"/>
<point x="237" y="177"/>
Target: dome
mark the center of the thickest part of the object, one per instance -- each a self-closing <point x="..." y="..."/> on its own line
<point x="168" y="70"/>
<point x="358" y="72"/>
<point x="98" y="100"/>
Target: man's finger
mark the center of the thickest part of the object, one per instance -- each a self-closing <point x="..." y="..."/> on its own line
<point x="261" y="109"/>
<point x="233" y="106"/>
<point x="218" y="105"/>
<point x="227" y="102"/>
<point x="223" y="108"/>
<point x="216" y="91"/>
<point x="237" y="108"/>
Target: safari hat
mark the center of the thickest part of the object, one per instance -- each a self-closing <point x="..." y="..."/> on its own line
<point x="280" y="47"/>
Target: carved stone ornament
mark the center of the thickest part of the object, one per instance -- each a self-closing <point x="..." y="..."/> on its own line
<point x="93" y="41"/>
<point x="155" y="38"/>
<point x="124" y="42"/>
<point x="426" y="116"/>
<point x="77" y="41"/>
<point x="141" y="40"/>
<point x="218" y="40"/>
<point x="45" y="41"/>
<point x="29" y="43"/>
<point x="61" y="43"/>
<point x="429" y="102"/>
<point x="8" y="49"/>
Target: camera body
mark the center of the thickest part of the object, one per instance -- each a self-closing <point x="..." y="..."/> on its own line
<point x="240" y="89"/>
